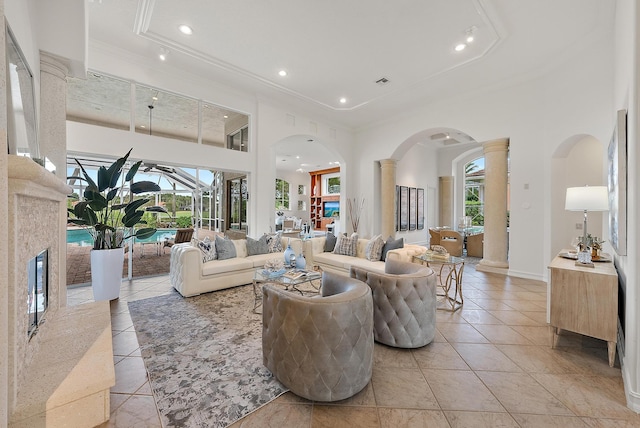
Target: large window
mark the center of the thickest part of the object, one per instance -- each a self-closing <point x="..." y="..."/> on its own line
<point x="282" y="194"/>
<point x="474" y="191"/>
<point x="239" y="140"/>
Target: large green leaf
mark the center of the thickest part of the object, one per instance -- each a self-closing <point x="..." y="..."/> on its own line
<point x="92" y="184"/>
<point x="117" y="207"/>
<point x="97" y="202"/>
<point x="144" y="187"/>
<point x="144" y="233"/>
<point x="115" y="170"/>
<point x="133" y="219"/>
<point x="103" y="179"/>
<point x="133" y="171"/>
<point x="156" y="209"/>
<point x="112" y="194"/>
<point x="134" y="205"/>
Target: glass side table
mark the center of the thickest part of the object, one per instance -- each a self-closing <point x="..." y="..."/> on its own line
<point x="449" y="271"/>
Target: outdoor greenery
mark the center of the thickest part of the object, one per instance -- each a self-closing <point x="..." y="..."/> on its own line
<point x="282" y="194"/>
<point x="108" y="219"/>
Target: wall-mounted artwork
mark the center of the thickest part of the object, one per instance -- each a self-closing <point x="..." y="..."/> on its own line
<point x="617" y="185"/>
<point x="409" y="208"/>
<point x="413" y="212"/>
<point x="403" y="208"/>
<point x="420" y="208"/>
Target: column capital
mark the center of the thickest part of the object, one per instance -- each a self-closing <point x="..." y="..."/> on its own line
<point x="53" y="65"/>
<point x="498" y="145"/>
<point x="386" y="163"/>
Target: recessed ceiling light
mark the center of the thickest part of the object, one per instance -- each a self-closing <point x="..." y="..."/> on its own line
<point x="142" y="126"/>
<point x="460" y="47"/>
<point x="343" y="100"/>
<point x="297" y="157"/>
<point x="282" y="73"/>
<point x="469" y="38"/>
<point x="225" y="116"/>
<point x="164" y="52"/>
<point x="154" y="98"/>
<point x="185" y="29"/>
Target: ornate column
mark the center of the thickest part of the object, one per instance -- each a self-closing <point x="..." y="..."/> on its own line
<point x="388" y="197"/>
<point x="446" y="201"/>
<point x="496" y="238"/>
<point x="53" y="112"/>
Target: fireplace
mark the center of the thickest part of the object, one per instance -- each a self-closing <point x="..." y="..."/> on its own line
<point x="37" y="289"/>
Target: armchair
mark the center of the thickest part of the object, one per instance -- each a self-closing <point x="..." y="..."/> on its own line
<point x="320" y="347"/>
<point x="452" y="241"/>
<point x="404" y="297"/>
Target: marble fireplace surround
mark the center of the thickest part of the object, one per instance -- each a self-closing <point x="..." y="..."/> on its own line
<point x="60" y="376"/>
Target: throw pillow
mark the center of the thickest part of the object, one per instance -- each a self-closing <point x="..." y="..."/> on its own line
<point x="207" y="247"/>
<point x="257" y="246"/>
<point x="225" y="248"/>
<point x="347" y="246"/>
<point x="391" y="244"/>
<point x="373" y="251"/>
<point x="274" y="243"/>
<point x="330" y="242"/>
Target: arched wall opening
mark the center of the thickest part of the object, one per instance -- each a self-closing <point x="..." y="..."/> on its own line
<point x="577" y="161"/>
<point x="296" y="156"/>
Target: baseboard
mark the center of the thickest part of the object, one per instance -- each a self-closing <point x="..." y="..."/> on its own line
<point x="525" y="275"/>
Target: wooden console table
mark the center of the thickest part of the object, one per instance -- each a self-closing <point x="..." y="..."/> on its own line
<point x="584" y="300"/>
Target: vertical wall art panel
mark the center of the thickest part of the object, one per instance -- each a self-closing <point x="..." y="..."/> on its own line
<point x="413" y="211"/>
<point x="617" y="185"/>
<point x="420" y="208"/>
<point x="397" y="208"/>
<point x="404" y="208"/>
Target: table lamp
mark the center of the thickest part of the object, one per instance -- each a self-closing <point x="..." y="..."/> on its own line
<point x="587" y="198"/>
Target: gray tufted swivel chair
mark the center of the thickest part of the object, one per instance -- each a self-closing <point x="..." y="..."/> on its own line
<point x="404" y="303"/>
<point x="320" y="347"/>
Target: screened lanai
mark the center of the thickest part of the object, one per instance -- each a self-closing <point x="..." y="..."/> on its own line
<point x="206" y="200"/>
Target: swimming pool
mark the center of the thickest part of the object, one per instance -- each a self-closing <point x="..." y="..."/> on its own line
<point x="83" y="238"/>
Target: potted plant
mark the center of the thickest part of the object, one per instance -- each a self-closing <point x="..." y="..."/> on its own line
<point x="111" y="222"/>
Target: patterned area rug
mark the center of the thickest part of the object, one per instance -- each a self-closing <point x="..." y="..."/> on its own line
<point x="204" y="356"/>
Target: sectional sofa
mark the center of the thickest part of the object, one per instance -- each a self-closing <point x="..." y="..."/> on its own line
<point x="315" y="254"/>
<point x="190" y="275"/>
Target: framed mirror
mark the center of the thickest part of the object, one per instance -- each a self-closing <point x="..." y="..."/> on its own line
<point x="21" y="110"/>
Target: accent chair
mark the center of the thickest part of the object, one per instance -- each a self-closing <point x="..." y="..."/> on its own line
<point x="404" y="302"/>
<point x="452" y="241"/>
<point x="320" y="347"/>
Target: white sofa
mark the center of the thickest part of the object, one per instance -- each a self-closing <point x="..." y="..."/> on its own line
<point x="315" y="255"/>
<point x="191" y="276"/>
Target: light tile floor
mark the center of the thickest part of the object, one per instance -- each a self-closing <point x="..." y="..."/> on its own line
<point x="490" y="365"/>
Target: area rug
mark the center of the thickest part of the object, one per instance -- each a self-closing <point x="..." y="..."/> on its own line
<point x="204" y="356"/>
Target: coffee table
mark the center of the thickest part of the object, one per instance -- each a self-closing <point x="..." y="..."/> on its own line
<point x="263" y="277"/>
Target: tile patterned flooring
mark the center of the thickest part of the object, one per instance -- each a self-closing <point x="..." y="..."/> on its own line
<point x="490" y="365"/>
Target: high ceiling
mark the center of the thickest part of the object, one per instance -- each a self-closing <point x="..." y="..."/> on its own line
<point x="334" y="48"/>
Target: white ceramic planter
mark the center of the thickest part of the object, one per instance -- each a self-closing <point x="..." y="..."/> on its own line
<point x="106" y="273"/>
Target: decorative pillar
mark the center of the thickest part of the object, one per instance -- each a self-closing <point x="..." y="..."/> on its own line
<point x="496" y="238"/>
<point x="388" y="197"/>
<point x="446" y="201"/>
<point x="53" y="112"/>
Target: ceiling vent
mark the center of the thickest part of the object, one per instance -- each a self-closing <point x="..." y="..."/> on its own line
<point x="382" y="81"/>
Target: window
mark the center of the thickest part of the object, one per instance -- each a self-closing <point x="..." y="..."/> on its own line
<point x="474" y="191"/>
<point x="282" y="194"/>
<point x="331" y="184"/>
<point x="239" y="140"/>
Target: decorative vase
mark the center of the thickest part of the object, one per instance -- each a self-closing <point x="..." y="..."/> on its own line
<point x="301" y="262"/>
<point x="288" y="253"/>
<point x="106" y="273"/>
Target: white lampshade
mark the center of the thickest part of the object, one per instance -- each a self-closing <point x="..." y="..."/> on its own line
<point x="587" y="198"/>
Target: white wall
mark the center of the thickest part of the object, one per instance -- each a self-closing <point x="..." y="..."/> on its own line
<point x="626" y="83"/>
<point x="536" y="116"/>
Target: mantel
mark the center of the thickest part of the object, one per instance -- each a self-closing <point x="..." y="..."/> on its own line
<point x="24" y="169"/>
